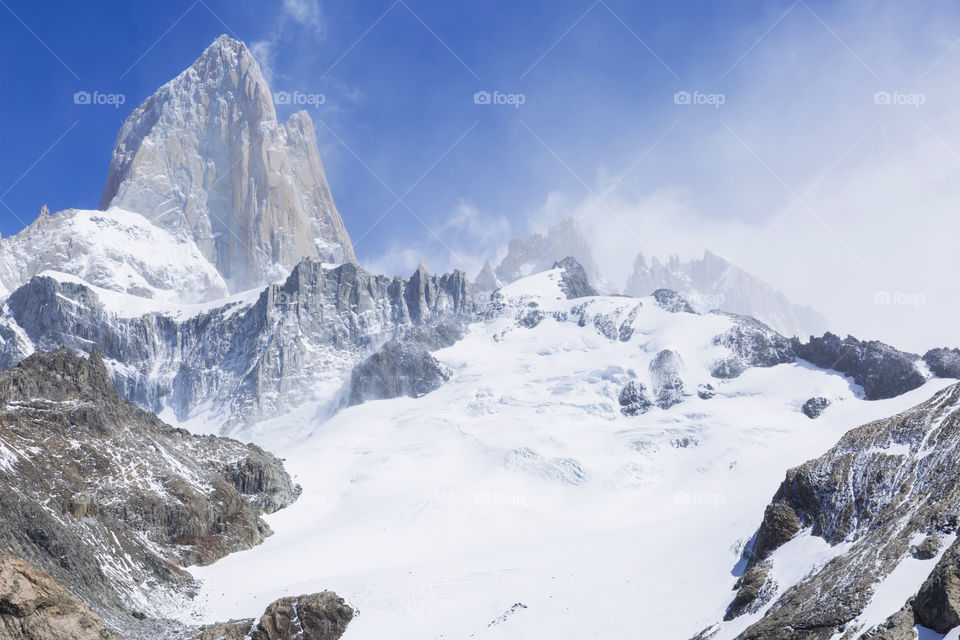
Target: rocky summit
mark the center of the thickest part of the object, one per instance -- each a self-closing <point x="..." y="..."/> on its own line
<point x="206" y="159"/>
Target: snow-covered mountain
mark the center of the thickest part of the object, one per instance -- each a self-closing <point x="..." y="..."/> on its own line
<point x="715" y="283"/>
<point x="115" y="250"/>
<point x="583" y="473"/>
<point x="237" y="360"/>
<point x="205" y="158"/>
<point x="538" y="252"/>
<point x="542" y="460"/>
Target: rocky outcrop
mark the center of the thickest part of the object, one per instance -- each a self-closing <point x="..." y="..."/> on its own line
<point x="943" y="363"/>
<point x="672" y="301"/>
<point x="112" y="502"/>
<point x="666" y="371"/>
<point x="320" y="616"/>
<point x="882" y="371"/>
<point x="573" y="280"/>
<point x="753" y="591"/>
<point x="937" y="605"/>
<point x="242" y="361"/>
<point x="633" y="399"/>
<point x="206" y="159"/>
<point x="752" y="344"/>
<point x="813" y="408"/>
<point x="404" y="366"/>
<point x="34" y="606"/>
<point x="884" y="485"/>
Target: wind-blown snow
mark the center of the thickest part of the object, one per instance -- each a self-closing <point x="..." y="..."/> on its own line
<point x="116" y="250"/>
<point x="520" y="483"/>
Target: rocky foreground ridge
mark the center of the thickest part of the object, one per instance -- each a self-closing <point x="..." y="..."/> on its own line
<point x="113" y="503"/>
<point x="34" y="606"/>
<point x="886" y="496"/>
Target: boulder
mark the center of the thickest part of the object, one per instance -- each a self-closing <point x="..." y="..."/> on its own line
<point x="34" y="606"/>
<point x="814" y="407"/>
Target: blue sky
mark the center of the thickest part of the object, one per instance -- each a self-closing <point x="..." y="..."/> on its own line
<point x="799" y="175"/>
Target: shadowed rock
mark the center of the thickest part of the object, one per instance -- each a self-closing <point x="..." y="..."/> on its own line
<point x="882" y="371"/>
<point x="574" y="281"/>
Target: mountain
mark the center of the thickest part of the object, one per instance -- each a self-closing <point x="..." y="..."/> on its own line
<point x="115" y="250"/>
<point x="715" y="283"/>
<point x="872" y="527"/>
<point x="206" y="159"/>
<point x="239" y="360"/>
<point x="580" y="446"/>
<point x="112" y="502"/>
<point x="537" y="252"/>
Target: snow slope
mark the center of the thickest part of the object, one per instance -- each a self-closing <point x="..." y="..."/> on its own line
<point x="116" y="250"/>
<point x="517" y="502"/>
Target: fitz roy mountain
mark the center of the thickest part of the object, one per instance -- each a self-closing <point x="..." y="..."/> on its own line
<point x="205" y="159"/>
<point x="216" y="425"/>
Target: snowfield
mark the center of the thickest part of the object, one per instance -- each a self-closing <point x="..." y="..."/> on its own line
<point x="517" y="502"/>
<point x="115" y="250"/>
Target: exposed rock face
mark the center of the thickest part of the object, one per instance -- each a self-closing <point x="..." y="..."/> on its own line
<point x="883" y="485"/>
<point x="666" y="374"/>
<point x="753" y="591"/>
<point x="937" y="605"/>
<point x="714" y="283"/>
<point x="111" y="501"/>
<point x="206" y="159"/>
<point x="706" y="391"/>
<point x="814" y="407"/>
<point x="633" y="399"/>
<point x="574" y="281"/>
<point x="34" y="606"/>
<point x="672" y="301"/>
<point x="404" y="366"/>
<point x="754" y="344"/>
<point x="241" y="361"/>
<point x="882" y="371"/>
<point x="538" y="252"/>
<point x="320" y="616"/>
<point x="943" y="363"/>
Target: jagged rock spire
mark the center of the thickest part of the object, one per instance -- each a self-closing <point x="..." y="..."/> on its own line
<point x="206" y="159"/>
